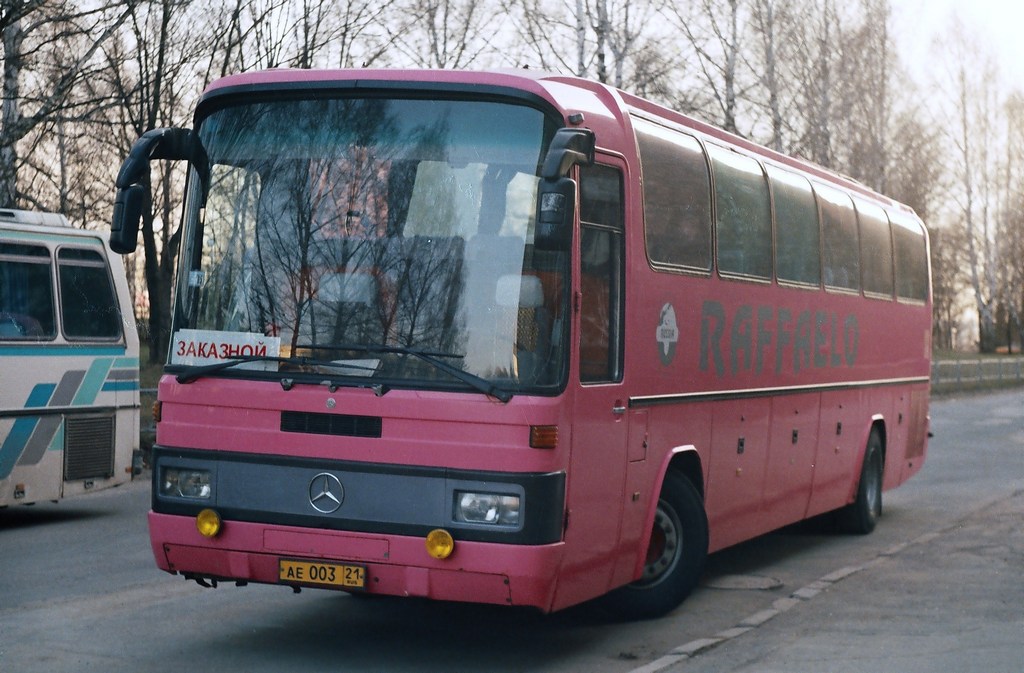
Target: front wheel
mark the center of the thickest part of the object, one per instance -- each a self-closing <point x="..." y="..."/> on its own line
<point x="861" y="516"/>
<point x="675" y="554"/>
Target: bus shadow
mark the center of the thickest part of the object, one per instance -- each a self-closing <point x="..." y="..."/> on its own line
<point x="39" y="514"/>
<point x="778" y="545"/>
<point x="393" y="634"/>
<point x="788" y="543"/>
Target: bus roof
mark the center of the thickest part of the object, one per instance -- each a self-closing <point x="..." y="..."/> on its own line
<point x="9" y="215"/>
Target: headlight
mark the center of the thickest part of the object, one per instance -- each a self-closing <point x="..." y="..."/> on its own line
<point x="184" y="483"/>
<point x="487" y="508"/>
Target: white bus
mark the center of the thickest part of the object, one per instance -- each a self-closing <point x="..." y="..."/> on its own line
<point x="69" y="361"/>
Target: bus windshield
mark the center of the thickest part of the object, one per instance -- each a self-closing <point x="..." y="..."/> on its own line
<point x="341" y="236"/>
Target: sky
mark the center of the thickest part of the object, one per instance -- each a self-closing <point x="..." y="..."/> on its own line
<point x="996" y="23"/>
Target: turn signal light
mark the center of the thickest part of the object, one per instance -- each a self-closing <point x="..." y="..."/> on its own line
<point x="440" y="543"/>
<point x="544" y="436"/>
<point x="208" y="523"/>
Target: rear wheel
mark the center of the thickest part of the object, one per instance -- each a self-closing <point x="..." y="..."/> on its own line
<point x="675" y="554"/>
<point x="861" y="516"/>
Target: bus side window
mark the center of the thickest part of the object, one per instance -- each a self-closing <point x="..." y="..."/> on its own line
<point x="677" y="198"/>
<point x="26" y="293"/>
<point x="911" y="252"/>
<point x="875" y="250"/>
<point x="841" y="239"/>
<point x="743" y="215"/>
<point x="88" y="306"/>
<point x="601" y="250"/>
<point x="797" y="236"/>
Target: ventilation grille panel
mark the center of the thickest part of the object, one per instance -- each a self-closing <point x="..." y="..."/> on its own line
<point x="88" y="447"/>
<point x="341" y="425"/>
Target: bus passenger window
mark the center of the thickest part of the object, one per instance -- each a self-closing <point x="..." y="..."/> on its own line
<point x="601" y="274"/>
<point x="677" y="197"/>
<point x="26" y="293"/>
<point x="743" y="216"/>
<point x="911" y="258"/>
<point x="797" y="234"/>
<point x="842" y="244"/>
<point x="875" y="249"/>
<point x="88" y="306"/>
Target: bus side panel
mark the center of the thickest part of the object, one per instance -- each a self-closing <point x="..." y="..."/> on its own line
<point x="736" y="473"/>
<point x="24" y="481"/>
<point x="907" y="435"/>
<point x="640" y="485"/>
<point x="792" y="451"/>
<point x="845" y="421"/>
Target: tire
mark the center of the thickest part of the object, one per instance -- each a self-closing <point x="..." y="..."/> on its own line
<point x="675" y="555"/>
<point x="861" y="516"/>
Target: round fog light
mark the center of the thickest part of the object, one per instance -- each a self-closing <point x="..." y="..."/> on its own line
<point x="440" y="544"/>
<point x="208" y="523"/>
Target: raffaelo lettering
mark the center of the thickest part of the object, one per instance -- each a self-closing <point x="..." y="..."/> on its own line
<point x="756" y="339"/>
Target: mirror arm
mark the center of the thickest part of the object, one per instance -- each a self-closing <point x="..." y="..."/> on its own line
<point x="133" y="197"/>
<point x="161" y="143"/>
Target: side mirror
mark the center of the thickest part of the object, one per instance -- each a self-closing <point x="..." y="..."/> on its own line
<point x="569" y="147"/>
<point x="556" y="194"/>
<point x="128" y="208"/>
<point x="133" y="179"/>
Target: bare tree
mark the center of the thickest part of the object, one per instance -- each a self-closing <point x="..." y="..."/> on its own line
<point x="49" y="51"/>
<point x="150" y="71"/>
<point x="864" y="92"/>
<point x="971" y="87"/>
<point x="549" y="34"/>
<point x="714" y="31"/>
<point x="816" y="68"/>
<point x="445" y="33"/>
<point x="947" y="258"/>
<point x="618" y="43"/>
<point x="1011" y="220"/>
<point x="766" y="17"/>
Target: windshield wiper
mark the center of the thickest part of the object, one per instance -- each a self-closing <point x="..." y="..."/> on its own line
<point x="199" y="371"/>
<point x="433" y="358"/>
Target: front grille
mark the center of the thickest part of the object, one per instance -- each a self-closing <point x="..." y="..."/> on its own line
<point x="88" y="447"/>
<point x="341" y="425"/>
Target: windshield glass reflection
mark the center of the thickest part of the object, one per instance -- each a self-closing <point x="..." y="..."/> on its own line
<point x="335" y="226"/>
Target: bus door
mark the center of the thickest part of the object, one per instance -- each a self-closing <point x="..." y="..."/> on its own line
<point x="600" y="418"/>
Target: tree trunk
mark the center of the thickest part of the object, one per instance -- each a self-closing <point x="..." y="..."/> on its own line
<point x="10" y="114"/>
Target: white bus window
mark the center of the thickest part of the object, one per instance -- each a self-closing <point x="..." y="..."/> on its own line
<point x="26" y="293"/>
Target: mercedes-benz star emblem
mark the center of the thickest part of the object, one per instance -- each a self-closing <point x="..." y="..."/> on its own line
<point x="326" y="493"/>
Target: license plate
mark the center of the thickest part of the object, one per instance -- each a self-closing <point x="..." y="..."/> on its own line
<point x="325" y="574"/>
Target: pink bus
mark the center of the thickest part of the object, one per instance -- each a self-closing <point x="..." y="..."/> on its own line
<point x="515" y="338"/>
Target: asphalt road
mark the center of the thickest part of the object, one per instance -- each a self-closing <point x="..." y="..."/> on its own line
<point x="938" y="586"/>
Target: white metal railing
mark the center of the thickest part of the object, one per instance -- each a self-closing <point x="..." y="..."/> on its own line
<point x="954" y="375"/>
